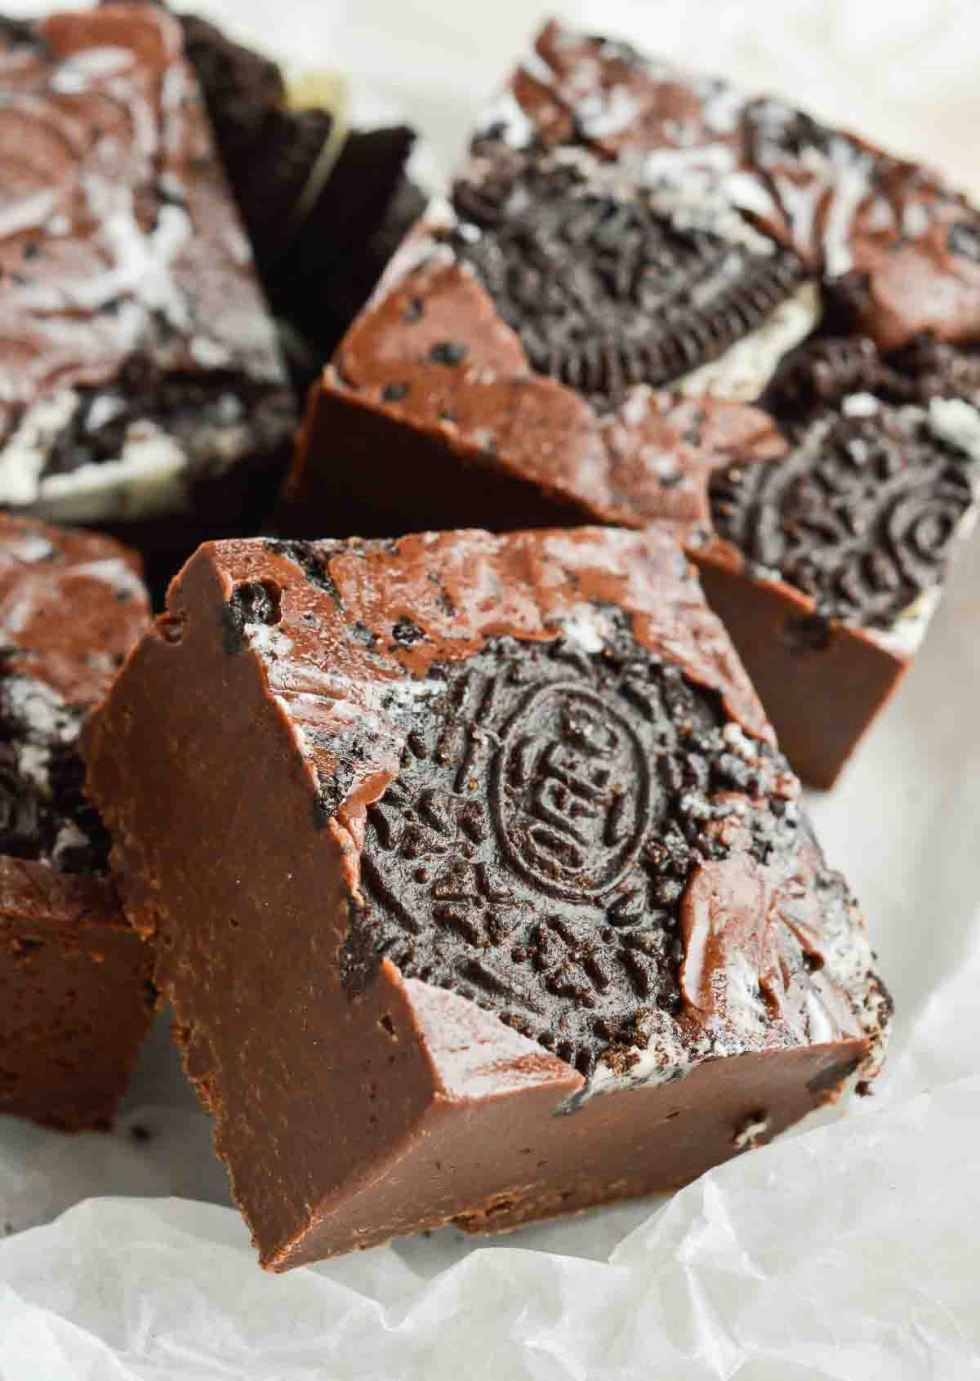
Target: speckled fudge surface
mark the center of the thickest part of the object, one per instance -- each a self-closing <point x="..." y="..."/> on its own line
<point x="139" y="368"/>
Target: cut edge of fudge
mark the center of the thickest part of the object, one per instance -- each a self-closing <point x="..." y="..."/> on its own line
<point x="74" y="975"/>
<point x="76" y="996"/>
<point x="153" y="386"/>
<point x="498" y="841"/>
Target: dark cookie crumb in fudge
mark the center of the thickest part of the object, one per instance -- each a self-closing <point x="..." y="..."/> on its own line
<point x="43" y="811"/>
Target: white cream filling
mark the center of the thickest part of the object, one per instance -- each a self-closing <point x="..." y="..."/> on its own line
<point x="23" y="457"/>
<point x="586" y="628"/>
<point x="40" y="708"/>
<point x="148" y="479"/>
<point x="746" y="368"/>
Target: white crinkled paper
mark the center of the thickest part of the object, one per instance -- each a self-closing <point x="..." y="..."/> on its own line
<point x="847" y="1250"/>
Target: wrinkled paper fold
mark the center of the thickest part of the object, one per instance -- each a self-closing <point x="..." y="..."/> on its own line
<point x="847" y="1250"/>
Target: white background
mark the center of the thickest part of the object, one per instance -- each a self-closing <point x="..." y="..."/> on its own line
<point x="848" y="1251"/>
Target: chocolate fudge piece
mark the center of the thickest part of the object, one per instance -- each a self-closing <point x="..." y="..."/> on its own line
<point x="75" y="991"/>
<point x="828" y="564"/>
<point x="602" y="315"/>
<point x="140" y="375"/>
<point x="478" y="885"/>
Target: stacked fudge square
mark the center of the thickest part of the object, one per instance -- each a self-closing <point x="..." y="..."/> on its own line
<point x="76" y="991"/>
<point x="466" y="849"/>
<point x="642" y="280"/>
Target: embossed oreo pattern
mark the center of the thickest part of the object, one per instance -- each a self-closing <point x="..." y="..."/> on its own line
<point x="571" y="792"/>
<point x="533" y="851"/>
<point x="863" y="512"/>
<point x="606" y="293"/>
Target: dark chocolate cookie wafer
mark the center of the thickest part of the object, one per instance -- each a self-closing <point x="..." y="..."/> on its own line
<point x="604" y="290"/>
<point x="323" y="206"/>
<point x="883" y="469"/>
<point x="551" y="894"/>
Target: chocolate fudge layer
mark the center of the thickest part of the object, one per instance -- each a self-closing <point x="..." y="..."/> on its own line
<point x="478" y="884"/>
<point x="139" y="370"/>
<point x="75" y="992"/>
<point x="628" y="257"/>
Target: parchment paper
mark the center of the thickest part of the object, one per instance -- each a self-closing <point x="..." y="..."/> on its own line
<point x="849" y="1249"/>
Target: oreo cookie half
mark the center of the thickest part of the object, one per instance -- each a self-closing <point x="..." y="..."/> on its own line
<point x="607" y="292"/>
<point x="864" y="511"/>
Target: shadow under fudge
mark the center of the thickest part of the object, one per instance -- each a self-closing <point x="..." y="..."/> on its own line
<point x="641" y="279"/>
<point x="477" y="884"/>
<point x="75" y="989"/>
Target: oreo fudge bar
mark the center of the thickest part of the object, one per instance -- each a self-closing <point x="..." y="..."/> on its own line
<point x="610" y="309"/>
<point x="478" y="884"/>
<point x="140" y="375"/>
<point x="75" y="991"/>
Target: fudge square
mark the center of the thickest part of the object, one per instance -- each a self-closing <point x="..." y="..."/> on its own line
<point x="139" y="369"/>
<point x="75" y="989"/>
<point x="601" y="316"/>
<point x="478" y="884"/>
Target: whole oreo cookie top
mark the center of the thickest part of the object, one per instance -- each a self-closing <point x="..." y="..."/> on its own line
<point x="552" y="894"/>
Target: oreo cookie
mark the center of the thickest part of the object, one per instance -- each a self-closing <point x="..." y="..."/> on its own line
<point x="534" y="851"/>
<point x="607" y="291"/>
<point x="324" y="207"/>
<point x="826" y="370"/>
<point x="43" y="811"/>
<point x="864" y="511"/>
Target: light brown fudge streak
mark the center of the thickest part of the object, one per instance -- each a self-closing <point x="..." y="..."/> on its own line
<point x="476" y="882"/>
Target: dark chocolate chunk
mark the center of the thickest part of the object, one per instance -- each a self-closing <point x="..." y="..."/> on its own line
<point x="605" y="291"/>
